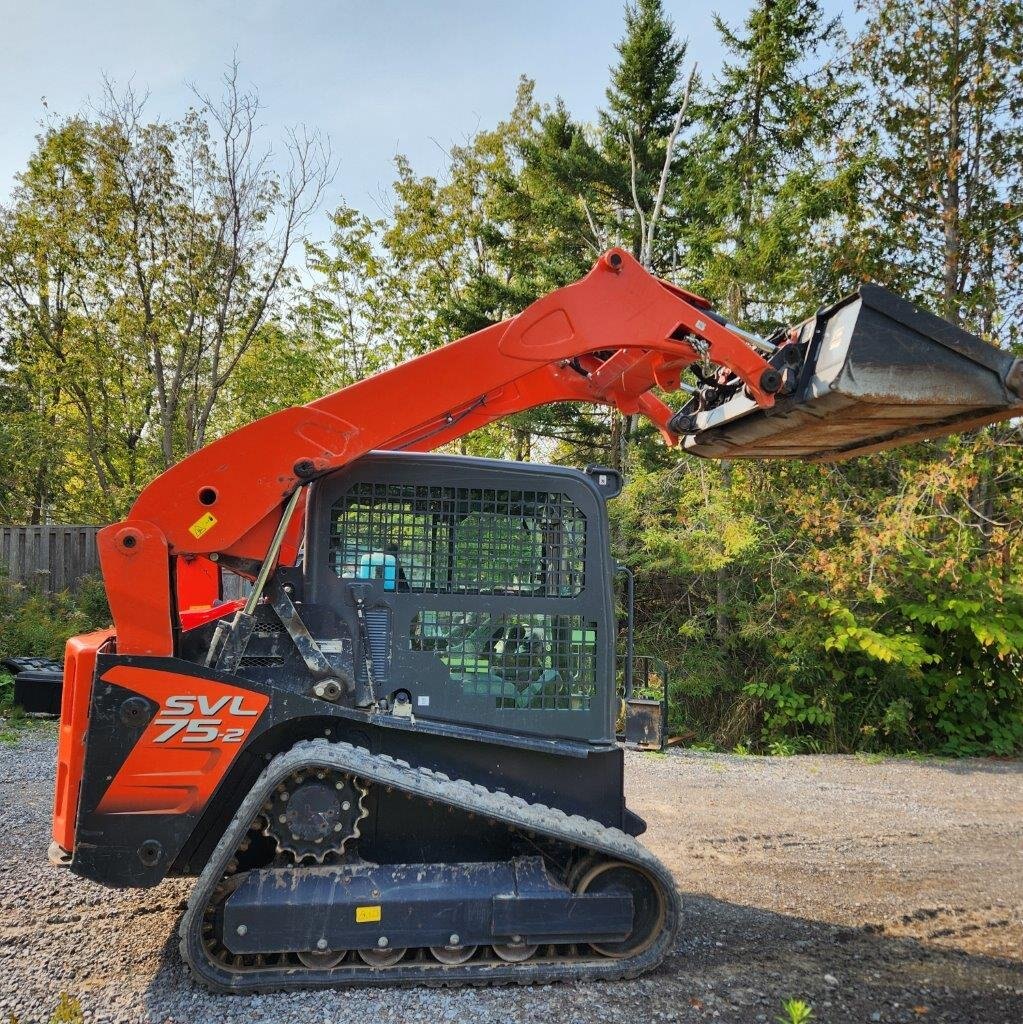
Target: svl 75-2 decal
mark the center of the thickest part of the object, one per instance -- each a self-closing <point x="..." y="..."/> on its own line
<point x="186" y="748"/>
<point x="177" y="715"/>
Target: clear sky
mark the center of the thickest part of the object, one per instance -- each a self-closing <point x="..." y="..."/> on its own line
<point x="378" y="76"/>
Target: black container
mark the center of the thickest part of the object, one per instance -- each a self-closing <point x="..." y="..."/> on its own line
<point x="877" y="372"/>
<point x="38" y="691"/>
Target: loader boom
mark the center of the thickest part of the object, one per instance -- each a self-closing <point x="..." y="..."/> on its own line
<point x="609" y="339"/>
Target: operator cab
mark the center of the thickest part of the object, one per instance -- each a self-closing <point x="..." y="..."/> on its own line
<point x="471" y="592"/>
<point x="478" y="591"/>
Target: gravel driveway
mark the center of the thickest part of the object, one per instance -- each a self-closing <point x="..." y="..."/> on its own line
<point x="888" y="891"/>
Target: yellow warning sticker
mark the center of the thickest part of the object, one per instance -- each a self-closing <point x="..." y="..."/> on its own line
<point x="365" y="915"/>
<point x="202" y="525"/>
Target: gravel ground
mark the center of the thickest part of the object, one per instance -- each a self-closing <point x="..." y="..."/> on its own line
<point x="876" y="892"/>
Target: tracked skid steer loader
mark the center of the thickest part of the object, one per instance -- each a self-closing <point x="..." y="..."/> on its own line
<point x="394" y="761"/>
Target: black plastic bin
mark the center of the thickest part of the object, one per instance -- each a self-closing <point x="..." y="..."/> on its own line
<point x="38" y="683"/>
<point x="38" y="692"/>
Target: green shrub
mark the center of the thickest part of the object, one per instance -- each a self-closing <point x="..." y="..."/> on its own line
<point x="6" y="690"/>
<point x="67" y="1011"/>
<point x="797" y="1011"/>
<point x="936" y="667"/>
<point x="853" y="624"/>
<point x="38" y="625"/>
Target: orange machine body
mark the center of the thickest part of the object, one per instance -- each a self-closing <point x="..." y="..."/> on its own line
<point x="79" y="670"/>
<point x="610" y="338"/>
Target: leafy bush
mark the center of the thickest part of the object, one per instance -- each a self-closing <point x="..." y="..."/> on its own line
<point x="6" y="689"/>
<point x="33" y="624"/>
<point x="67" y="1011"/>
<point x="938" y="669"/>
<point x="797" y="1011"/>
<point x="862" y="608"/>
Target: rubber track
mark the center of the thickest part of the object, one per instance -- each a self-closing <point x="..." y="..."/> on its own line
<point x="428" y="785"/>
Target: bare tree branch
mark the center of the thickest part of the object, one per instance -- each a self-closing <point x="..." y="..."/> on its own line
<point x="647" y="252"/>
<point x="599" y="242"/>
<point x="636" y="205"/>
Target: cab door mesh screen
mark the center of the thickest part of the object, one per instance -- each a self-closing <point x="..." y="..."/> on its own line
<point x="523" y="661"/>
<point x="463" y="540"/>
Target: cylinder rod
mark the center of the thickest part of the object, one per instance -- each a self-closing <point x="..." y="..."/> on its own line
<point x="270" y="562"/>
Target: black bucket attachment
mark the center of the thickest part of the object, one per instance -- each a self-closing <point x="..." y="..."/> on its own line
<point x="871" y="372"/>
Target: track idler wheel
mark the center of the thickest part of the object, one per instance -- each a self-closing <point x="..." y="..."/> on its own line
<point x="647" y="902"/>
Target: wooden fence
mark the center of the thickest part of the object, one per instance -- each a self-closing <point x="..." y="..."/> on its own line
<point x="55" y="558"/>
<point x="48" y="558"/>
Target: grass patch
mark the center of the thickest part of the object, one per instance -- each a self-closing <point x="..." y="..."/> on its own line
<point x="14" y="723"/>
<point x="879" y="757"/>
<point x="797" y="1011"/>
<point x="12" y="719"/>
<point x="19" y="724"/>
<point x="67" y="1011"/>
<point x="869" y="758"/>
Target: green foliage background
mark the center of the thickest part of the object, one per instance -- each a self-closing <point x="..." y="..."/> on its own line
<point x="876" y="604"/>
<point x="33" y="624"/>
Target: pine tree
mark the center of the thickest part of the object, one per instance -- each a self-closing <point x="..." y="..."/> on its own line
<point x="643" y="100"/>
<point x="577" y="190"/>
<point x="946" y="81"/>
<point x="771" y="179"/>
<point x="549" y="203"/>
<point x="947" y="98"/>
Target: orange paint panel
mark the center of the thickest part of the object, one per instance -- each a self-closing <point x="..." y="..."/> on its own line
<point x="197" y="580"/>
<point x="551" y="333"/>
<point x="177" y="787"/>
<point x="187" y="748"/>
<point x="136" y="573"/>
<point x="195" y="617"/>
<point x="79" y="666"/>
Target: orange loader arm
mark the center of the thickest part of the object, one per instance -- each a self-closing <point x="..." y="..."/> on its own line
<point x="609" y="338"/>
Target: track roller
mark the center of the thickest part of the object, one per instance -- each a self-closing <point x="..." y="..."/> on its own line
<point x="321" y="961"/>
<point x="515" y="953"/>
<point x="381" y="957"/>
<point x="453" y="955"/>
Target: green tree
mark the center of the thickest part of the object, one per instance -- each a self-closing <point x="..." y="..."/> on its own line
<point x="33" y="468"/>
<point x="771" y="183"/>
<point x="59" y="310"/>
<point x="644" y="97"/>
<point x="946" y="89"/>
<point x="138" y="263"/>
<point x="359" y="309"/>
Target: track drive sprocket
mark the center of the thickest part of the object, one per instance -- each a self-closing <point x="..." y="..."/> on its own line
<point x="315" y="813"/>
